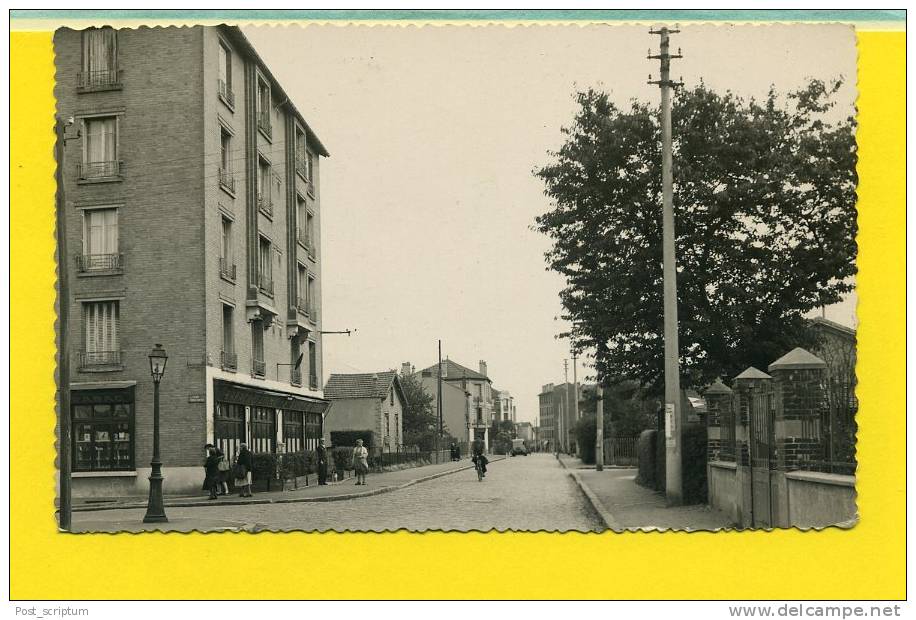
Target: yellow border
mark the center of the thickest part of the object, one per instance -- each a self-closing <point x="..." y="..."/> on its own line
<point x="865" y="562"/>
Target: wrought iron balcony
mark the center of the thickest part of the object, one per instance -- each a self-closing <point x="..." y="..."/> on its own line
<point x="226" y="270"/>
<point x="99" y="262"/>
<point x="105" y="78"/>
<point x="313" y="382"/>
<point x="94" y="359"/>
<point x="226" y="180"/>
<point x="265" y="284"/>
<point x="228" y="361"/>
<point x="258" y="368"/>
<point x="99" y="170"/>
<point x="295" y="377"/>
<point x="266" y="205"/>
<point x="264" y="123"/>
<point x="225" y="92"/>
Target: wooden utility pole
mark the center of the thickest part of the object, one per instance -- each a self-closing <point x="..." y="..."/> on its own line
<point x="63" y="330"/>
<point x="566" y="405"/>
<point x="575" y="389"/>
<point x="673" y="421"/>
<point x="599" y="426"/>
<point x="439" y="402"/>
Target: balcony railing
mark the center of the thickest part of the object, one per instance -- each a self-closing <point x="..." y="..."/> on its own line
<point x="105" y="78"/>
<point x="258" y="368"/>
<point x="264" y="123"/>
<point x="99" y="169"/>
<point x="228" y="361"/>
<point x="302" y="305"/>
<point x="225" y="92"/>
<point x="226" y="180"/>
<point x="265" y="284"/>
<point x="266" y="205"/>
<point x="295" y="377"/>
<point x="92" y="359"/>
<point x="99" y="262"/>
<point x="226" y="270"/>
<point x="313" y="382"/>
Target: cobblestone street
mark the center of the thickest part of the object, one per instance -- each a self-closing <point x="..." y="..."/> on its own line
<point x="521" y="493"/>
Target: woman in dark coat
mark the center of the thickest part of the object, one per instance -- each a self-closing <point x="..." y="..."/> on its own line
<point x="244" y="460"/>
<point x="211" y="470"/>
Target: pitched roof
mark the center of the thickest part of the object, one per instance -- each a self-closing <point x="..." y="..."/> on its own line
<point x="359" y="385"/>
<point x="454" y="370"/>
<point x="797" y="358"/>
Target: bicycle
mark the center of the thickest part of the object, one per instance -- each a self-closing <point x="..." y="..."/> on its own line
<point x="478" y="465"/>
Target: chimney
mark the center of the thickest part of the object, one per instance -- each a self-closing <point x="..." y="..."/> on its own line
<point x="406" y="369"/>
<point x="483" y="368"/>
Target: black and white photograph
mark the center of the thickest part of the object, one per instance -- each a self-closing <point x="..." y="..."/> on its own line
<point x="551" y="278"/>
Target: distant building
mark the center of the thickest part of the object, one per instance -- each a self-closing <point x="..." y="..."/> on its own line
<point x="467" y="399"/>
<point x="503" y="406"/>
<point x="555" y="406"/>
<point x="524" y="430"/>
<point x="371" y="402"/>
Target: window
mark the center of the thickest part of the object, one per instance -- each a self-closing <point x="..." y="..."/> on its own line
<point x="292" y="430"/>
<point x="229" y="428"/>
<point x="301" y="154"/>
<point x="228" y="359"/>
<point x="311" y="173"/>
<point x="263" y="430"/>
<point x="225" y="75"/>
<point x="100" y="240"/>
<point x="264" y="107"/>
<point x="103" y="430"/>
<point x="301" y="289"/>
<point x="295" y="350"/>
<point x="301" y="221"/>
<point x="313" y="366"/>
<point x="226" y="266"/>
<point x="100" y="59"/>
<point x="258" y="367"/>
<point x="101" y="321"/>
<point x="265" y="264"/>
<point x="100" y="148"/>
<point x="226" y="178"/>
<point x="391" y="402"/>
<point x="310" y="233"/>
<point x="265" y="194"/>
<point x="310" y="298"/>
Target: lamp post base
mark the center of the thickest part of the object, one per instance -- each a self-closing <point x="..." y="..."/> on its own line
<point x="155" y="509"/>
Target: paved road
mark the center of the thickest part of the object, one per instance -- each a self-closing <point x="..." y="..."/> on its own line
<point x="521" y="493"/>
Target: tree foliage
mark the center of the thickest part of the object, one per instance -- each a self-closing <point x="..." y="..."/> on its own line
<point x="764" y="200"/>
<point x="420" y="420"/>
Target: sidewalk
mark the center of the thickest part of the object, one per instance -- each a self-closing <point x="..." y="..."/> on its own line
<point x="384" y="482"/>
<point x="624" y="505"/>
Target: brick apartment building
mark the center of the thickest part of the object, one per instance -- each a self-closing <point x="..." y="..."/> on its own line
<point x="193" y="221"/>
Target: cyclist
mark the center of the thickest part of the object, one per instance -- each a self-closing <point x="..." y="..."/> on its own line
<point x="477" y="456"/>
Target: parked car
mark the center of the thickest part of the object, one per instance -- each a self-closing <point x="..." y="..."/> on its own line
<point x="518" y="447"/>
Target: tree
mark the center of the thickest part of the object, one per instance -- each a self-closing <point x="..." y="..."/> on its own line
<point x="764" y="199"/>
<point x="420" y="420"/>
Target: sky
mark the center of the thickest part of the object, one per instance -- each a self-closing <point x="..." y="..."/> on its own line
<point x="428" y="197"/>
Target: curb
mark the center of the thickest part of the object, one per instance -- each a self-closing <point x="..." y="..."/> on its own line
<point x="609" y="521"/>
<point x="286" y="500"/>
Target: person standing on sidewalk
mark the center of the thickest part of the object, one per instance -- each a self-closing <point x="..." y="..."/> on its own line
<point x="321" y="455"/>
<point x="360" y="462"/>
<point x="222" y="485"/>
<point x="211" y="471"/>
<point x="244" y="463"/>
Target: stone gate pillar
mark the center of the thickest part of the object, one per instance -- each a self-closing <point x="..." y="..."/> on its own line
<point x="799" y="380"/>
<point x="801" y="402"/>
<point x="718" y="413"/>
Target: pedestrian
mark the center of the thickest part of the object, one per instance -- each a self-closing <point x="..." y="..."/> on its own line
<point x="321" y="455"/>
<point x="211" y="471"/>
<point x="244" y="463"/>
<point x="223" y="480"/>
<point x="360" y="462"/>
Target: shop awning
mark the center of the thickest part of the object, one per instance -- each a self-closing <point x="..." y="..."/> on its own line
<point x="227" y="392"/>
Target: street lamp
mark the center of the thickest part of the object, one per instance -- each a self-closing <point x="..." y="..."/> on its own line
<point x="155" y="509"/>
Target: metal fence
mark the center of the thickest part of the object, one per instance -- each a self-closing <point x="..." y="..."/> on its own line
<point x="385" y="456"/>
<point x="620" y="451"/>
